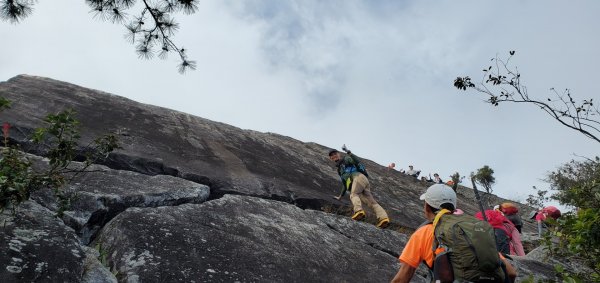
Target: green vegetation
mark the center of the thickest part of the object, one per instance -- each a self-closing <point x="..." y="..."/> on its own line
<point x="4" y="103"/>
<point x="103" y="255"/>
<point x="456" y="180"/>
<point x="59" y="139"/>
<point x="539" y="199"/>
<point x="576" y="184"/>
<point x="485" y="177"/>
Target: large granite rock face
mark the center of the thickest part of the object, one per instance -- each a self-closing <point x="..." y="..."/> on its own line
<point x="228" y="159"/>
<point x="34" y="237"/>
<point x="188" y="199"/>
<point x="541" y="256"/>
<point x="103" y="193"/>
<point x="246" y="239"/>
<point x="35" y="246"/>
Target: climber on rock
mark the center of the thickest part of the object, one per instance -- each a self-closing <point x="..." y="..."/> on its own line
<point x="354" y="178"/>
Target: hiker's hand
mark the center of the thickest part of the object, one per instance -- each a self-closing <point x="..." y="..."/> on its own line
<point x="337" y="197"/>
<point x="344" y="148"/>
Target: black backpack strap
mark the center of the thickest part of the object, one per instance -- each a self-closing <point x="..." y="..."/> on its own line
<point x="430" y="276"/>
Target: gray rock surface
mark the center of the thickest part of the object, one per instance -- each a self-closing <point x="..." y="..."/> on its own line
<point x="227" y="159"/>
<point x="246" y="239"/>
<point x="254" y="228"/>
<point x="103" y="193"/>
<point x="541" y="255"/>
<point x="94" y="270"/>
<point x="35" y="246"/>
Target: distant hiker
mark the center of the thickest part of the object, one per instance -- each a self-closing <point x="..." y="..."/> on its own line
<point x="508" y="239"/>
<point x="511" y="212"/>
<point x="392" y="166"/>
<point x="354" y="180"/>
<point x="437" y="179"/>
<point x="516" y="246"/>
<point x="496" y="219"/>
<point x="412" y="172"/>
<point x="543" y="214"/>
<point x="446" y="257"/>
<point x="424" y="179"/>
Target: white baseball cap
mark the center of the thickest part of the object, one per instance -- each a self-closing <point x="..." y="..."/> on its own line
<point x="438" y="194"/>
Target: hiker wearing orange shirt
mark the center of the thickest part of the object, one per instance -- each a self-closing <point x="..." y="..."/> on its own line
<point x="439" y="203"/>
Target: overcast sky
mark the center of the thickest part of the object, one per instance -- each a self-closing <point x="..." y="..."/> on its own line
<point x="375" y="75"/>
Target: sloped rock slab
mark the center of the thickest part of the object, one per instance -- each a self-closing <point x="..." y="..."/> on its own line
<point x="540" y="263"/>
<point x="35" y="246"/>
<point x="159" y="141"/>
<point x="102" y="193"/>
<point x="387" y="241"/>
<point x="245" y="239"/>
<point x="528" y="269"/>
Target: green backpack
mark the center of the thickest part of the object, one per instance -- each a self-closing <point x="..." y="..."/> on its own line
<point x="470" y="248"/>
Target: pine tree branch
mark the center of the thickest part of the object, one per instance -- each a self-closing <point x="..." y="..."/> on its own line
<point x="115" y="11"/>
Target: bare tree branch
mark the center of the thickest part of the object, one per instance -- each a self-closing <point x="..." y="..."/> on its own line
<point x="502" y="83"/>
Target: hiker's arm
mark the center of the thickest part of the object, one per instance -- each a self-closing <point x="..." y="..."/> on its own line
<point x="342" y="191"/>
<point x="405" y="273"/>
<point x="510" y="270"/>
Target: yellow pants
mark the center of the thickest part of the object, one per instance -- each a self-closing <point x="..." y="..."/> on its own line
<point x="361" y="192"/>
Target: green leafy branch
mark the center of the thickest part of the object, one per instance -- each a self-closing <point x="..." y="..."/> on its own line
<point x="18" y="179"/>
<point x="577" y="184"/>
